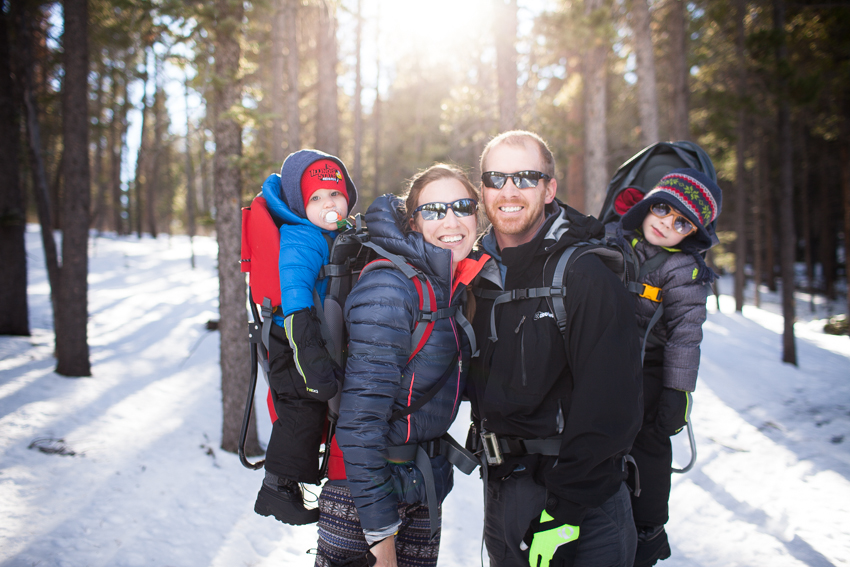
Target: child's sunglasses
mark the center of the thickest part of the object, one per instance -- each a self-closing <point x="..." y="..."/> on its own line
<point x="521" y="179"/>
<point x="437" y="211"/>
<point x="680" y="224"/>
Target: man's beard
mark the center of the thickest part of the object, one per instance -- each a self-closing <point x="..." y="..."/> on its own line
<point x="520" y="224"/>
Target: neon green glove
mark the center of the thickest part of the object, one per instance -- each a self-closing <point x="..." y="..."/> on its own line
<point x="551" y="544"/>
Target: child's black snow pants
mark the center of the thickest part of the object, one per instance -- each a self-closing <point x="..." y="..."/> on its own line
<point x="653" y="454"/>
<point x="293" y="450"/>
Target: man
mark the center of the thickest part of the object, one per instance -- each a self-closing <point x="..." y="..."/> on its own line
<point x="556" y="411"/>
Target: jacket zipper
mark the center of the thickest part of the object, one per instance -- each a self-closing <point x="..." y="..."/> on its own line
<point x="459" y="365"/>
<point x="522" y="349"/>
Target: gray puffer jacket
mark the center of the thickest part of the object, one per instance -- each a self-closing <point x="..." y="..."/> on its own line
<point x="381" y="312"/>
<point x="684" y="313"/>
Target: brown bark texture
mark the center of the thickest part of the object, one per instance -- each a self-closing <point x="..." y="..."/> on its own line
<point x="278" y="70"/>
<point x="293" y="113"/>
<point x="740" y="157"/>
<point x="646" y="86"/>
<point x="71" y="317"/>
<point x="595" y="104"/>
<point x="788" y="234"/>
<point x="14" y="315"/>
<point x="505" y="25"/>
<point x="234" y="354"/>
<point x="327" y="115"/>
<point x="679" y="71"/>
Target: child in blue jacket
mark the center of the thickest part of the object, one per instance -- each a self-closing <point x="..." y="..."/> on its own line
<point x="312" y="192"/>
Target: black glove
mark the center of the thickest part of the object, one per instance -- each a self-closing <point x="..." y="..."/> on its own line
<point x="674" y="410"/>
<point x="550" y="543"/>
<point x="322" y="375"/>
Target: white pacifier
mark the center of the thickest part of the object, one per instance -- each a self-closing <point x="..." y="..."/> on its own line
<point x="332" y="216"/>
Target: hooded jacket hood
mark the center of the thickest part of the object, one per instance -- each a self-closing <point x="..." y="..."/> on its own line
<point x="287" y="203"/>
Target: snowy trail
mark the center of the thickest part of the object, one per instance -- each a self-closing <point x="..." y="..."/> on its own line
<point x="149" y="485"/>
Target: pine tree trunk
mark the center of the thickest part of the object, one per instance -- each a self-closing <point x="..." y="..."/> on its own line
<point x="357" y="166"/>
<point x="191" y="207"/>
<point x="805" y="216"/>
<point x="505" y="31"/>
<point x="769" y="202"/>
<point x="828" y="239"/>
<point x="204" y="171"/>
<point x="278" y="72"/>
<point x="36" y="159"/>
<point x="575" y="165"/>
<point x="845" y="190"/>
<point x="98" y="220"/>
<point x="116" y="146"/>
<point x="72" y="349"/>
<point x="646" y="85"/>
<point x="758" y="239"/>
<point x="595" y="104"/>
<point x="740" y="157"/>
<point x="153" y="183"/>
<point x="136" y="210"/>
<point x="14" y="314"/>
<point x="235" y="360"/>
<point x="327" y="115"/>
<point x="679" y="71"/>
<point x="293" y="113"/>
<point x="376" y="114"/>
<point x="788" y="235"/>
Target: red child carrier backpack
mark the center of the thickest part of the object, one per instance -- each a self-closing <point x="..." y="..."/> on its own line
<point x="351" y="254"/>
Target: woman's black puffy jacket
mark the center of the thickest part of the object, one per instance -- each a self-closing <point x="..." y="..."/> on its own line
<point x="380" y="313"/>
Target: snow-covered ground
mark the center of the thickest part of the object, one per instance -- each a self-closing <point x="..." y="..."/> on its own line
<point x="148" y="484"/>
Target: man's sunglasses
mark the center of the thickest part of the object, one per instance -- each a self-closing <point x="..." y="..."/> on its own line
<point x="521" y="179"/>
<point x="680" y="224"/>
<point x="437" y="211"/>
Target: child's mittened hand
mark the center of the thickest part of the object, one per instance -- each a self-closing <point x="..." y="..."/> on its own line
<point x="322" y="375"/>
<point x="674" y="410"/>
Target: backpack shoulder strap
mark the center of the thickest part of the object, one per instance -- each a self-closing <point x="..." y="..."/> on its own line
<point x="654" y="294"/>
<point x="427" y="297"/>
<point x="558" y="282"/>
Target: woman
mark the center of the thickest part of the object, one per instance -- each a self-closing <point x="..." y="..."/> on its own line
<point x="375" y="504"/>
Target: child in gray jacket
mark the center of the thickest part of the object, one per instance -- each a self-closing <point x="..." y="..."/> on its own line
<point x="669" y="230"/>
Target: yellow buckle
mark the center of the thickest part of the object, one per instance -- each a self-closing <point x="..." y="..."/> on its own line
<point x="651" y="293"/>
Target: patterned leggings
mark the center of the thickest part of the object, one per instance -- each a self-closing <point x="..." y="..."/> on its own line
<point x="341" y="540"/>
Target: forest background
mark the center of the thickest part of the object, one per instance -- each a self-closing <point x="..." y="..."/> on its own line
<point x="164" y="116"/>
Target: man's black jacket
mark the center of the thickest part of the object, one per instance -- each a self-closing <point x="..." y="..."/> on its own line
<point x="535" y="382"/>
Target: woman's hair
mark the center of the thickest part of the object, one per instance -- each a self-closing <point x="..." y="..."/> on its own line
<point x="436" y="172"/>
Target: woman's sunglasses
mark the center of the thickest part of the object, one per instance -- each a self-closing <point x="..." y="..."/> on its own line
<point x="437" y="211"/>
<point x="521" y="179"/>
<point x="680" y="224"/>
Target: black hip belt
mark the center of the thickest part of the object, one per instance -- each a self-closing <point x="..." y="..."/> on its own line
<point x="454" y="453"/>
<point x="497" y="446"/>
<point x="422" y="453"/>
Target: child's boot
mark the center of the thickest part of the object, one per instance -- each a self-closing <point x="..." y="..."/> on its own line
<point x="282" y="498"/>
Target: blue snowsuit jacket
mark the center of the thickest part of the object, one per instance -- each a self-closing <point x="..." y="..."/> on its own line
<point x="380" y="314"/>
<point x="303" y="246"/>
